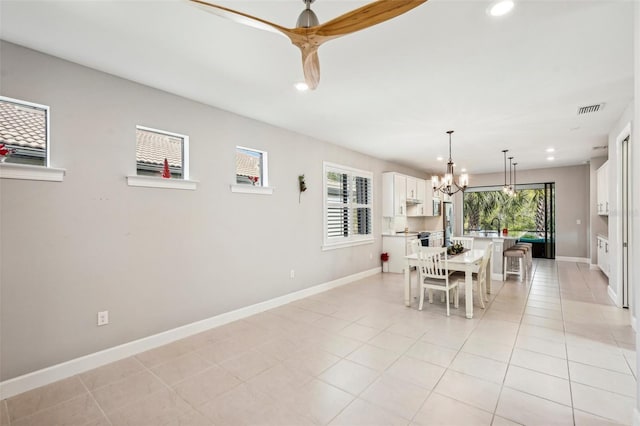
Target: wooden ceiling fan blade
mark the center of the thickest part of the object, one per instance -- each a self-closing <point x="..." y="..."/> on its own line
<point x="242" y="18"/>
<point x="366" y="16"/>
<point x="311" y="67"/>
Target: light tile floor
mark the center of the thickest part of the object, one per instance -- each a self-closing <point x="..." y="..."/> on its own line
<point x="550" y="351"/>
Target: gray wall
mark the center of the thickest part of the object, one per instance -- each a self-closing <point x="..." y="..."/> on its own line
<point x="572" y="203"/>
<point x="155" y="258"/>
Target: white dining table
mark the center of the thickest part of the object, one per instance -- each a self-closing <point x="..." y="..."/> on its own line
<point x="468" y="262"/>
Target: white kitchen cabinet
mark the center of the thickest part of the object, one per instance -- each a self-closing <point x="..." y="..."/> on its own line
<point x="394" y="194"/>
<point x="603" y="255"/>
<point x="397" y="246"/>
<point x="420" y="208"/>
<point x="602" y="189"/>
<point x="412" y="188"/>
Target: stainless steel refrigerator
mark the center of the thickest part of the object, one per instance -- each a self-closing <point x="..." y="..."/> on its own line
<point x="447" y="217"/>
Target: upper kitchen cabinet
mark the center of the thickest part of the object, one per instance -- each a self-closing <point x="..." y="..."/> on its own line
<point x="421" y="206"/>
<point x="394" y="194"/>
<point x="412" y="188"/>
<point x="602" y="189"/>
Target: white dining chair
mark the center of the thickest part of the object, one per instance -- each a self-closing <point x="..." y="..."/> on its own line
<point x="434" y="275"/>
<point x="466" y="242"/>
<point x="480" y="283"/>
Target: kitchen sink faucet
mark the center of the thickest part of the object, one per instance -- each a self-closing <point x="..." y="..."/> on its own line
<point x="499" y="227"/>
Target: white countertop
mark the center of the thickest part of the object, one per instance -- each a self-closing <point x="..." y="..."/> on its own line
<point x="510" y="236"/>
<point x="401" y="234"/>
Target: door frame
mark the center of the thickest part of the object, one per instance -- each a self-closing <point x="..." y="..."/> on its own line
<point x="616" y="277"/>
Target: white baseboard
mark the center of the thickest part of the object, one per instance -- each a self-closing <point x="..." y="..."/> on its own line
<point x="495" y="276"/>
<point x="593" y="266"/>
<point x="42" y="377"/>
<point x="573" y="259"/>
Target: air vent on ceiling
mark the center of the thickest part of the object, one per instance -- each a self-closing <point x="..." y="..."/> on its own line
<point x="599" y="147"/>
<point x="590" y="108"/>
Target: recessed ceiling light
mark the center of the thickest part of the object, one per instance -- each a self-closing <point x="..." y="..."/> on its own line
<point x="439" y="158"/>
<point x="551" y="150"/>
<point x="301" y="86"/>
<point x="551" y="158"/>
<point x="500" y="7"/>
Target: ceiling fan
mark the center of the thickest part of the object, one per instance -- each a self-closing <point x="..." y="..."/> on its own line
<point x="309" y="34"/>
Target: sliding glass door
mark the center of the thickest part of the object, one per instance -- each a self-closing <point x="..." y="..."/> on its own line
<point x="528" y="215"/>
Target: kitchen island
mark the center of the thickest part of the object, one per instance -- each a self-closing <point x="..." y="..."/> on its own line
<point x="500" y="243"/>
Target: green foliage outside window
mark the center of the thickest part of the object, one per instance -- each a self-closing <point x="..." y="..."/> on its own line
<point x="524" y="211"/>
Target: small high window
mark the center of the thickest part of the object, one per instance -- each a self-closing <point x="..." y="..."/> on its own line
<point x="251" y="167"/>
<point x="157" y="149"/>
<point x="24" y="132"/>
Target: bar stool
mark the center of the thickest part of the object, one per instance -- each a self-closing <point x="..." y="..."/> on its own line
<point x="511" y="254"/>
<point x="529" y="252"/>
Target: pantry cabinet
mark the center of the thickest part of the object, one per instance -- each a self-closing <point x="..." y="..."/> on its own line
<point x="602" y="189"/>
<point x="603" y="254"/>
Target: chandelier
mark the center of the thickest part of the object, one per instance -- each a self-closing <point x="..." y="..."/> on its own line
<point x="448" y="185"/>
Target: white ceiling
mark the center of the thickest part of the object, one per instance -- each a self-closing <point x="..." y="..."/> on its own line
<point x="391" y="91"/>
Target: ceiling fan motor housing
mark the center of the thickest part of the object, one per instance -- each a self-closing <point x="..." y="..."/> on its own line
<point x="307" y="19"/>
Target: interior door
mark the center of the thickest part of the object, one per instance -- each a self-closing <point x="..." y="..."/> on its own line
<point x="626" y="180"/>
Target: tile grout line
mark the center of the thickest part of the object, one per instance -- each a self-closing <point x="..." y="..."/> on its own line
<point x="95" y="400"/>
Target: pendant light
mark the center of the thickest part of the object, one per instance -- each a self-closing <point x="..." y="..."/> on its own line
<point x="514" y="178"/>
<point x="505" y="188"/>
<point x="448" y="185"/>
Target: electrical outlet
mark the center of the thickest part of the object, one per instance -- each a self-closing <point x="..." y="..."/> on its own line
<point x="103" y="317"/>
<point x="292" y="274"/>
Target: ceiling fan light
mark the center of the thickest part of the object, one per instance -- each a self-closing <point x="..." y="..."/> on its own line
<point x="307" y="19"/>
<point x="500" y="8"/>
<point x="301" y="86"/>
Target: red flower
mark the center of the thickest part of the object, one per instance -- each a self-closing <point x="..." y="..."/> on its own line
<point x="5" y="152"/>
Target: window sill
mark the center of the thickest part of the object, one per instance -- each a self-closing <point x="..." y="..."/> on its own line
<point x="346" y="244"/>
<point x="250" y="189"/>
<point x="154" y="182"/>
<point x="29" y="172"/>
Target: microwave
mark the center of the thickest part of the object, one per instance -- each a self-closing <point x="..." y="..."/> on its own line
<point x="436" y="207"/>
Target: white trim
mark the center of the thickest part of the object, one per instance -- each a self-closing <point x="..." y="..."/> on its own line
<point x="593" y="266"/>
<point x="615" y="252"/>
<point x="42" y="377"/>
<point x="30" y="172"/>
<point x="573" y="259"/>
<point x="155" y="182"/>
<point x="347" y="244"/>
<point x="612" y="295"/>
<point x="250" y="189"/>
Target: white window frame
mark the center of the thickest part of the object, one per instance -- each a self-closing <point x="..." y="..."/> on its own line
<point x="158" y="182"/>
<point x="263" y="188"/>
<point x="330" y="243"/>
<point x="30" y="171"/>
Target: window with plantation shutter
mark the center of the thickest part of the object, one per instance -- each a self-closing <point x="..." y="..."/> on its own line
<point x="348" y="206"/>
